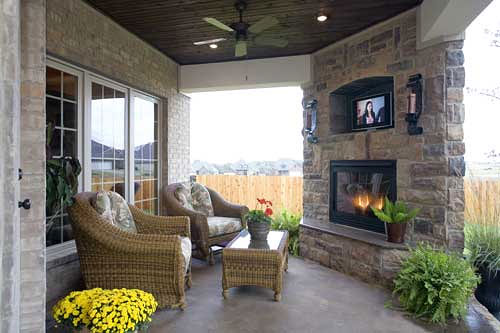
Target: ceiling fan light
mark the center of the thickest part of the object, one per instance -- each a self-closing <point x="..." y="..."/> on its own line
<point x="213" y="46"/>
<point x="322" y="18"/>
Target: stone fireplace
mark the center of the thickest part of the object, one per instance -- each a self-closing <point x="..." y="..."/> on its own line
<point x="357" y="185"/>
<point x="425" y="170"/>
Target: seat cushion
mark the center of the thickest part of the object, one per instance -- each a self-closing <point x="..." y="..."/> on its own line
<point x="201" y="200"/>
<point x="183" y="194"/>
<point x="219" y="225"/>
<point x="186" y="251"/>
<point x="115" y="210"/>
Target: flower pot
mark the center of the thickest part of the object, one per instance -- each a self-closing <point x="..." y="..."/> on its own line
<point x="396" y="232"/>
<point x="258" y="230"/>
<point x="488" y="291"/>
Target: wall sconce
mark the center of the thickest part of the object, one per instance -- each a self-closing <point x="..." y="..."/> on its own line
<point x="414" y="87"/>
<point x="311" y="110"/>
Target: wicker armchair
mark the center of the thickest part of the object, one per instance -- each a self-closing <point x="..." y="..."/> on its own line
<point x="199" y="222"/>
<point x="150" y="260"/>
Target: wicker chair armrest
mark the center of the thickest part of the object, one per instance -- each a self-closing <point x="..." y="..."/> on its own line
<point x="225" y="208"/>
<point x="160" y="225"/>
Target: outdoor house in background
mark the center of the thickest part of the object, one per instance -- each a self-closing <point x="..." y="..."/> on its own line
<point x="110" y="78"/>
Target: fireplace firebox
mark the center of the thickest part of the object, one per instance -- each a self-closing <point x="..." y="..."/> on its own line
<point x="357" y="185"/>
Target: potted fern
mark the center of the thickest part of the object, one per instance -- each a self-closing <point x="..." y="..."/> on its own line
<point x="395" y="215"/>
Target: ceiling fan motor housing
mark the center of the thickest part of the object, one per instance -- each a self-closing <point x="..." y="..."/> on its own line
<point x="241" y="30"/>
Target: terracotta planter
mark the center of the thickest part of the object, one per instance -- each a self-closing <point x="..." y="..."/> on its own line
<point x="488" y="291"/>
<point x="396" y="232"/>
<point x="258" y="230"/>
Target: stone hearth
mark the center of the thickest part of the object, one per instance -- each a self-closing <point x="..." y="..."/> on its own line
<point x="428" y="165"/>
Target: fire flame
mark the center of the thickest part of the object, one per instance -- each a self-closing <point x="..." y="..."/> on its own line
<point x="363" y="201"/>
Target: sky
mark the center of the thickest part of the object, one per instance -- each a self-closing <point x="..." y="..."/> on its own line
<point x="482" y="71"/>
<point x="266" y="124"/>
<point x="254" y="125"/>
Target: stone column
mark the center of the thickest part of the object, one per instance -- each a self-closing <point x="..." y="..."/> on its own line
<point x="9" y="164"/>
<point x="32" y="155"/>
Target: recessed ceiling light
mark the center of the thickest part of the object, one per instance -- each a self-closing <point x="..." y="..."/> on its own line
<point x="213" y="46"/>
<point x="322" y="18"/>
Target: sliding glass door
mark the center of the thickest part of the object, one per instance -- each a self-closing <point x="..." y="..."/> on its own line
<point x="144" y="122"/>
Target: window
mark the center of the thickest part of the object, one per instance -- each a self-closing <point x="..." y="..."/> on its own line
<point x="62" y="114"/>
<point x="146" y="154"/>
<point x="113" y="131"/>
<point x="108" y="139"/>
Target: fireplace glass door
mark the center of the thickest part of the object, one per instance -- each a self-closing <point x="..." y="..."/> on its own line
<point x="356" y="186"/>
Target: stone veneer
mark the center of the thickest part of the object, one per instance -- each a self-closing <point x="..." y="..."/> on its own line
<point x="428" y="165"/>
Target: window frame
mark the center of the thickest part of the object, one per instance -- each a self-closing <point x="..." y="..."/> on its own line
<point x="137" y="94"/>
<point x="79" y="126"/>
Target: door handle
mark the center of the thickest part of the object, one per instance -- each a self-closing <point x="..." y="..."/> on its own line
<point x="26" y="204"/>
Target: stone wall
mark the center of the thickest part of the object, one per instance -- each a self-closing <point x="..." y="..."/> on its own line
<point x="428" y="165"/>
<point x="33" y="165"/>
<point x="80" y="34"/>
<point x="9" y="163"/>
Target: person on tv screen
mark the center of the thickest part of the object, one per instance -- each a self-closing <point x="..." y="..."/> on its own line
<point x="369" y="114"/>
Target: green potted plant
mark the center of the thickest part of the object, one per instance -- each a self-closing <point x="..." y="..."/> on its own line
<point x="259" y="220"/>
<point x="395" y="215"/>
<point x="435" y="285"/>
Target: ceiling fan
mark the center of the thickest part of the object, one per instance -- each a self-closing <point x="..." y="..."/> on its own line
<point x="244" y="32"/>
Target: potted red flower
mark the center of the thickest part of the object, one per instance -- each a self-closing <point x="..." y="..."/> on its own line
<point x="259" y="220"/>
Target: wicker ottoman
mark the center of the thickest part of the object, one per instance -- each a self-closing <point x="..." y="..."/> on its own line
<point x="255" y="263"/>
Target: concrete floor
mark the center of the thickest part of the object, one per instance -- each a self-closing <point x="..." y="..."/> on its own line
<point x="314" y="299"/>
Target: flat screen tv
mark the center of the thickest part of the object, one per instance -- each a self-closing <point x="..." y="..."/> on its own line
<point x="372" y="112"/>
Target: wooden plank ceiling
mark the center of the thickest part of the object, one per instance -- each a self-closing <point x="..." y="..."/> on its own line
<point x="173" y="25"/>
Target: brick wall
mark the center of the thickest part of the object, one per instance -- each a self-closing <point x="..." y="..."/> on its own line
<point x="428" y="165"/>
<point x="177" y="159"/>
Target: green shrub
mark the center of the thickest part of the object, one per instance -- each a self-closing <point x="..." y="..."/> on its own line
<point x="290" y="222"/>
<point x="435" y="285"/>
<point x="482" y="246"/>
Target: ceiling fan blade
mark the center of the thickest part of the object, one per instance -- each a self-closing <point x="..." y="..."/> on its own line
<point x="240" y="49"/>
<point x="265" y="23"/>
<point x="270" y="41"/>
<point x="210" y="41"/>
<point x="217" y="24"/>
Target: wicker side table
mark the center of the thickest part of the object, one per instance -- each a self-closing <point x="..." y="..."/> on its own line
<point x="255" y="263"/>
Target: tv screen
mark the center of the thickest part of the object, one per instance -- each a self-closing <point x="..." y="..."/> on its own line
<point x="372" y="112"/>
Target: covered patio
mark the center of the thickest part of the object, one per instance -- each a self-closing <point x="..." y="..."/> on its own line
<point x="106" y="82"/>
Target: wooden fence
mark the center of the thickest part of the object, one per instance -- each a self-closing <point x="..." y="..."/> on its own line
<point x="283" y="191"/>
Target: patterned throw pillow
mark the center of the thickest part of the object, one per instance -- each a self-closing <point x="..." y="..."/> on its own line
<point x="183" y="194"/>
<point x="201" y="199"/>
<point x="115" y="210"/>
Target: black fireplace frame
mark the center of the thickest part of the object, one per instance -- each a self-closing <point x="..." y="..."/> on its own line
<point x="373" y="224"/>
